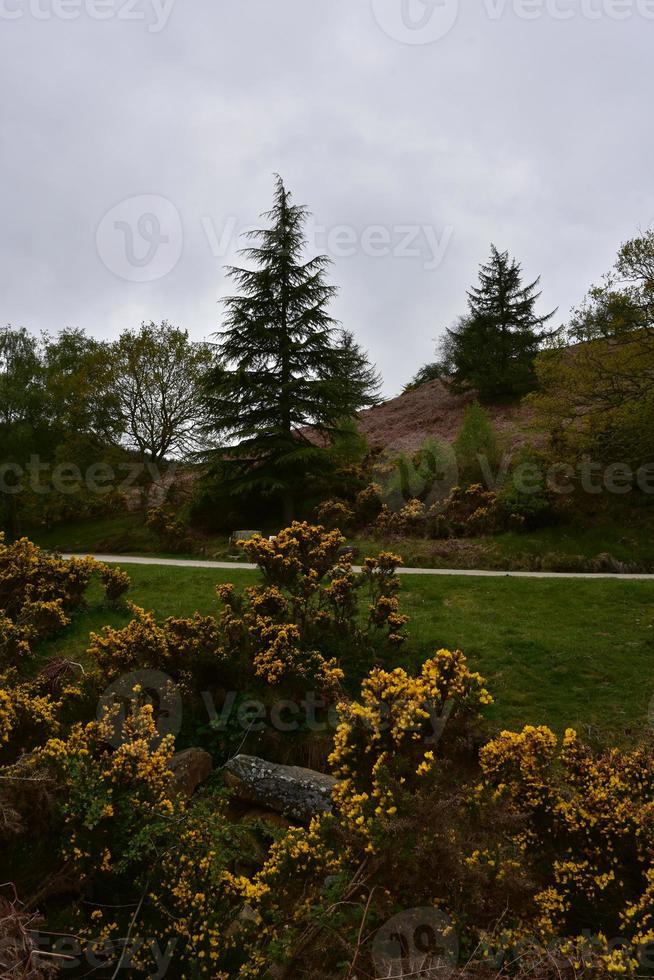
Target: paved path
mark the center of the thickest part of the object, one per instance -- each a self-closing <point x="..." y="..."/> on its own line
<point x="475" y="573"/>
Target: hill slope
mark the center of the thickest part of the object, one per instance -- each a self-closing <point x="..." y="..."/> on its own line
<point x="403" y="423"/>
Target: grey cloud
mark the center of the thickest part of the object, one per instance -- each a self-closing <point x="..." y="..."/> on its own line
<point x="530" y="133"/>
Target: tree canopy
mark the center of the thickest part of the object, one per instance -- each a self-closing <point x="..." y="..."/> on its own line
<point x="493" y="347"/>
<point x="288" y="376"/>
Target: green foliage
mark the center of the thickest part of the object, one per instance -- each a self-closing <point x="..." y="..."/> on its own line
<point x="526" y="500"/>
<point x="173" y="533"/>
<point x="349" y="446"/>
<point x="425" y="475"/>
<point x="158" y="375"/>
<point x="284" y="365"/>
<point x="433" y="371"/>
<point x="624" y="302"/>
<point x="476" y="446"/>
<point x="492" y="349"/>
<point x="596" y="398"/>
<point x="56" y="411"/>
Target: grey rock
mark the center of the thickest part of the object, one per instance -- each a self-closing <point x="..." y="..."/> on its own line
<point x="297" y="793"/>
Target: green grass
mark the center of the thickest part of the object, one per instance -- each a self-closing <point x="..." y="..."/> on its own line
<point x="119" y="534"/>
<point x="565" y="544"/>
<point x="626" y="533"/>
<point x="562" y="653"/>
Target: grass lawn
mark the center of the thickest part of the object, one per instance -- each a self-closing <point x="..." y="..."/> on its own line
<point x="624" y="532"/>
<point x="563" y="653"/>
<point x="121" y="534"/>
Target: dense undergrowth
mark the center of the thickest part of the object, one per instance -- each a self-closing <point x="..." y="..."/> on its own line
<point x="536" y="852"/>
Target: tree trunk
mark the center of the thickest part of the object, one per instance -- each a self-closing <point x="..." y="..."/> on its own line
<point x="288" y="508"/>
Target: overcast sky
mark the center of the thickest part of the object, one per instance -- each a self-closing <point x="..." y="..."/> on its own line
<point x="140" y="136"/>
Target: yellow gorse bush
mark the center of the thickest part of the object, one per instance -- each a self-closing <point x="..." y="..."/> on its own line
<point x="40" y="591"/>
<point x="111" y="796"/>
<point x="590" y="825"/>
<point x="389" y="739"/>
<point x="25" y="714"/>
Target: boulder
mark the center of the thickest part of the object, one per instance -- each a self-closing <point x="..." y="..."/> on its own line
<point x="190" y="767"/>
<point x="297" y="793"/>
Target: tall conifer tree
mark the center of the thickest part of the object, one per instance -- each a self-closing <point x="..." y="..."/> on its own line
<point x="493" y="347"/>
<point x="285" y="364"/>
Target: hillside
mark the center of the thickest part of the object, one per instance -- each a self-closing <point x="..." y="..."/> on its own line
<point x="403" y="423"/>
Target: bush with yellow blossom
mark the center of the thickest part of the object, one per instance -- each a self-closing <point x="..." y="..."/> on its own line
<point x="39" y="592"/>
<point x="305" y="619"/>
<point x="116" y="803"/>
<point x="589" y="829"/>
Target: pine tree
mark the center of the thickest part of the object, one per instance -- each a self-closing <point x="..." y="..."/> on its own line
<point x="493" y="348"/>
<point x="285" y="365"/>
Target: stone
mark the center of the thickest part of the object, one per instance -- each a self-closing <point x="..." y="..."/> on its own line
<point x="298" y="793"/>
<point x="190" y="767"/>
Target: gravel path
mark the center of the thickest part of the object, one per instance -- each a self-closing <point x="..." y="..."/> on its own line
<point x="474" y="573"/>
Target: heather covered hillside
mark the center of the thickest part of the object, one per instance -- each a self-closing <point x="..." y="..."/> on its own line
<point x="433" y="410"/>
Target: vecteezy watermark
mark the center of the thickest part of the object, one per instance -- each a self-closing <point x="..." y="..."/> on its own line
<point x="427" y="475"/>
<point x="430" y="473"/>
<point x="565" y="10"/>
<point x="141" y="238"/>
<point x="412" y="241"/>
<point x="101" y="479"/>
<point x="416" y="21"/>
<point x="415" y="943"/>
<point x="153" y="687"/>
<point x="70" y="953"/>
<point x="154" y="13"/>
<point x="315" y="713"/>
<point x="426" y="21"/>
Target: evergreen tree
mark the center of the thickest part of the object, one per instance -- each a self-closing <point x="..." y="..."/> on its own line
<point x="493" y="347"/>
<point x="284" y="365"/>
<point x="476" y="446"/>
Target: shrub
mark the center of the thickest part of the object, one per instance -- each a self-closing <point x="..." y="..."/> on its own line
<point x="197" y="893"/>
<point x="386" y="742"/>
<point x="550" y="841"/>
<point x="35" y="621"/>
<point x="115" y="804"/>
<point x="25" y="714"/>
<point x="311" y="603"/>
<point x="471" y="511"/>
<point x="174" y="533"/>
<point x="334" y="514"/>
<point x="526" y="501"/>
<point x="425" y="475"/>
<point x="289" y="632"/>
<point x="115" y="581"/>
<point x="189" y="650"/>
<point x="590" y="833"/>
<point x="28" y="573"/>
<point x="368" y="504"/>
<point x="39" y="592"/>
<point x="476" y="446"/>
